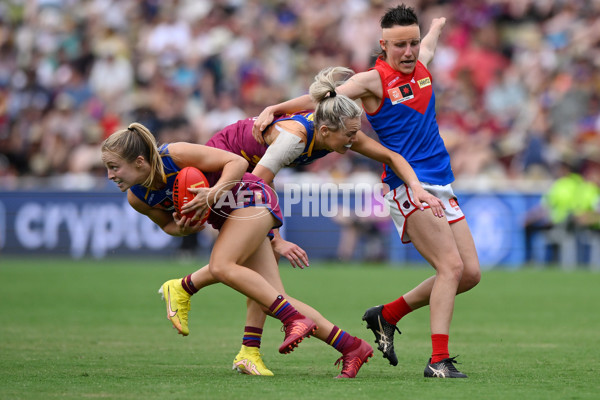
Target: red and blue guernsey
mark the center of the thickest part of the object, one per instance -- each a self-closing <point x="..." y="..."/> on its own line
<point x="405" y="123"/>
<point x="237" y="138"/>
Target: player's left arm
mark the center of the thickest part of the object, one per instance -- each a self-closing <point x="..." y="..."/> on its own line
<point x="429" y="42"/>
<point x="376" y="151"/>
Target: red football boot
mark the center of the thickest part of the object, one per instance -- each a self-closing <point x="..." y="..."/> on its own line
<point x="352" y="359"/>
<point x="296" y="330"/>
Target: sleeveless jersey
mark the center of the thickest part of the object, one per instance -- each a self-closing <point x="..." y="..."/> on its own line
<point x="161" y="198"/>
<point x="237" y="138"/>
<point x="405" y="123"/>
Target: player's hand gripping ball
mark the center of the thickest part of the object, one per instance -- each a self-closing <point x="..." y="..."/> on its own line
<point x="188" y="177"/>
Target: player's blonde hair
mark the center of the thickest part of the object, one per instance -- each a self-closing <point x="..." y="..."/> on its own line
<point x="332" y="109"/>
<point x="136" y="141"/>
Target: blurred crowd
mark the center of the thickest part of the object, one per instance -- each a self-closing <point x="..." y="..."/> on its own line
<point x="517" y="81"/>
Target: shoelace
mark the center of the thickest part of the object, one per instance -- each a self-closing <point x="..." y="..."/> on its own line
<point x="352" y="364"/>
<point x="449" y="363"/>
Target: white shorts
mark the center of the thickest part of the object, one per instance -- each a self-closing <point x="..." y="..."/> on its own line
<point x="402" y="206"/>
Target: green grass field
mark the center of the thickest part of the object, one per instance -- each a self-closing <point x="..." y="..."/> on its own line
<point x="97" y="329"/>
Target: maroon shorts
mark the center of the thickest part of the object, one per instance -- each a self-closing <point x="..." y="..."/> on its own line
<point x="251" y="191"/>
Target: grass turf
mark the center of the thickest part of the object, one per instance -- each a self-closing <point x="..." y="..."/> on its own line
<point x="97" y="329"/>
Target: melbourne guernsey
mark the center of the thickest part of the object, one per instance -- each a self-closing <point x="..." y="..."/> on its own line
<point x="405" y="123"/>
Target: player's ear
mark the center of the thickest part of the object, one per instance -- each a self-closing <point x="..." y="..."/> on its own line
<point x="323" y="130"/>
<point x="139" y="161"/>
<point x="382" y="44"/>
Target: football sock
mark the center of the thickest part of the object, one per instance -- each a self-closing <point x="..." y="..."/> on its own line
<point x="394" y="311"/>
<point x="188" y="285"/>
<point x="339" y="339"/>
<point x="282" y="309"/>
<point x="252" y="336"/>
<point x="439" y="343"/>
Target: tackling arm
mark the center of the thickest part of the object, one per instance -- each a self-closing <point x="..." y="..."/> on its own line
<point x="376" y="151"/>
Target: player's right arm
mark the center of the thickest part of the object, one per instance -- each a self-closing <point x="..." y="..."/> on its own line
<point x="365" y="86"/>
<point x="267" y="115"/>
<point x="429" y="42"/>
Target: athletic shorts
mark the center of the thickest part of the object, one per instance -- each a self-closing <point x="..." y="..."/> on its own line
<point x="402" y="206"/>
<point x="250" y="192"/>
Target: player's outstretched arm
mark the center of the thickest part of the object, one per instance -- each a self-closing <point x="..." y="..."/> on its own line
<point x="376" y="151"/>
<point x="429" y="42"/>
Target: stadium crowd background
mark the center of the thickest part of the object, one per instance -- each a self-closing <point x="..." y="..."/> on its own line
<point x="517" y="81"/>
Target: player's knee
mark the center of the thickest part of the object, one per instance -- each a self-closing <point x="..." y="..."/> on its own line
<point x="470" y="279"/>
<point x="220" y="272"/>
<point x="451" y="270"/>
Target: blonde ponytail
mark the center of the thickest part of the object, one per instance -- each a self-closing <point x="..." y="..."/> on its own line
<point x="136" y="141"/>
<point x="332" y="109"/>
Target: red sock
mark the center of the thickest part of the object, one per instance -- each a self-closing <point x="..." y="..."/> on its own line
<point x="439" y="343"/>
<point x="394" y="311"/>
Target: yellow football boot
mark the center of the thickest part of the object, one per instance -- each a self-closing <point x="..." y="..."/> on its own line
<point x="248" y="361"/>
<point x="178" y="305"/>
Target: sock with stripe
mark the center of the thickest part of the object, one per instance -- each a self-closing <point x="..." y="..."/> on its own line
<point x="394" y="311"/>
<point x="439" y="344"/>
<point x="339" y="339"/>
<point x="283" y="310"/>
<point x="252" y="336"/>
<point x="188" y="285"/>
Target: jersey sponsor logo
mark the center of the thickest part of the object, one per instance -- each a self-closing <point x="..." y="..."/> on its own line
<point x="424" y="82"/>
<point x="454" y="203"/>
<point x="401" y="94"/>
<point x="167" y="204"/>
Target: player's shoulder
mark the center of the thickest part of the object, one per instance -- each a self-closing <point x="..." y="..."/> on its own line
<point x="289" y="126"/>
<point x="366" y="77"/>
<point x="362" y="85"/>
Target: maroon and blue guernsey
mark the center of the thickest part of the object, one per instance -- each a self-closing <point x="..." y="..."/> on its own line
<point x="237" y="138"/>
<point x="251" y="191"/>
<point x="405" y="123"/>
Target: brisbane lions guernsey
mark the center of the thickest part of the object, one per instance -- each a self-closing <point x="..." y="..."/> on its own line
<point x="261" y="194"/>
<point x="405" y="123"/>
<point x="237" y="138"/>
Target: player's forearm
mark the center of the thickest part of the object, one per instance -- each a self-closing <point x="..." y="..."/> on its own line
<point x="294" y="105"/>
<point x="404" y="171"/>
<point x="430" y="41"/>
<point x="233" y="171"/>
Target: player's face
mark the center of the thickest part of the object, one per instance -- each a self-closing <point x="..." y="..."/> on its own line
<point x="341" y="140"/>
<point x="124" y="174"/>
<point x="402" y="45"/>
